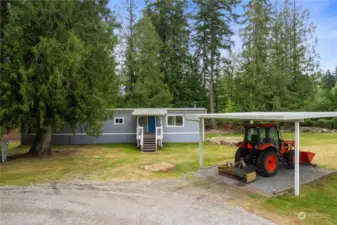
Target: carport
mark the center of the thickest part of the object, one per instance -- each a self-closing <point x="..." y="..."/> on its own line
<point x="295" y="117"/>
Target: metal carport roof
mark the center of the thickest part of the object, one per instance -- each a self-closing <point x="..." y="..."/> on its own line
<point x="295" y="117"/>
<point x="267" y="116"/>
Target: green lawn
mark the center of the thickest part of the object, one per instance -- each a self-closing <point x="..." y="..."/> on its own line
<point x="106" y="162"/>
<point x="317" y="200"/>
<point x="125" y="162"/>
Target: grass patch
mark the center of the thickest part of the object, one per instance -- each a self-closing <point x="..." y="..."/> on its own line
<point x="124" y="162"/>
<point x="318" y="201"/>
<point x="256" y="196"/>
<point x="106" y="162"/>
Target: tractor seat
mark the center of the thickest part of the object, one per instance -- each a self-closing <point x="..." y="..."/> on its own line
<point x="255" y="140"/>
<point x="267" y="140"/>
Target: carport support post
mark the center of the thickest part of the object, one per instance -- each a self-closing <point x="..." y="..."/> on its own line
<point x="4" y="145"/>
<point x="297" y="158"/>
<point x="201" y="139"/>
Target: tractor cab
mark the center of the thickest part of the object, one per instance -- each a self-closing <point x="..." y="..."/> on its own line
<point x="260" y="136"/>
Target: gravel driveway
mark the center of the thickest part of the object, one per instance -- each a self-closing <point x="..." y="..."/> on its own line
<point x="114" y="204"/>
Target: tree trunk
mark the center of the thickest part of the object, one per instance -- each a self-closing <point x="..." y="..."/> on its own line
<point x="42" y="143"/>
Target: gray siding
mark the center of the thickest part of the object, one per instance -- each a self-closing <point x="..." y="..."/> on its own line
<point x="126" y="133"/>
<point x="180" y="138"/>
<point x="188" y="133"/>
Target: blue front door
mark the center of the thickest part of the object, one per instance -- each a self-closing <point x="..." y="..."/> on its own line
<point x="151" y="124"/>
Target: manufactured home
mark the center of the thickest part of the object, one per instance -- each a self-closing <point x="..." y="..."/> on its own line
<point x="148" y="128"/>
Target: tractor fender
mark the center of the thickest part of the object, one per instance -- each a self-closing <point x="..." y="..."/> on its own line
<point x="243" y="145"/>
<point x="262" y="147"/>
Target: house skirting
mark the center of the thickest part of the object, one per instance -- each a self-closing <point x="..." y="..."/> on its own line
<point x="82" y="138"/>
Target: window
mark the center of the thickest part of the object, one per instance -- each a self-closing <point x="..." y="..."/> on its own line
<point x="252" y="134"/>
<point x="174" y="121"/>
<point x="118" y="120"/>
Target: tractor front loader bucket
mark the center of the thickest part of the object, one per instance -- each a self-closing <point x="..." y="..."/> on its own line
<point x="306" y="157"/>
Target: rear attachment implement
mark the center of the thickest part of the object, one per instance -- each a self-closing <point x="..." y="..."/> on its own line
<point x="238" y="169"/>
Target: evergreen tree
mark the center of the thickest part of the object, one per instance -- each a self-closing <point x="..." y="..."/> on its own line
<point x="300" y="62"/>
<point x="129" y="74"/>
<point x="150" y="89"/>
<point x="59" y="68"/>
<point x="279" y="62"/>
<point x="328" y="80"/>
<point x="212" y="34"/>
<point x="170" y="20"/>
<point x="324" y="100"/>
<point x="255" y="80"/>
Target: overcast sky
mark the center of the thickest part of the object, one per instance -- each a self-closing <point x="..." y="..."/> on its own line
<point x="323" y="14"/>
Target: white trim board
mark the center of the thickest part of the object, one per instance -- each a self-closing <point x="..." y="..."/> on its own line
<point x="84" y="134"/>
<point x="71" y="134"/>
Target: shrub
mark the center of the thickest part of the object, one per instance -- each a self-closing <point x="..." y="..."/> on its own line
<point x="308" y="123"/>
<point x="324" y="123"/>
<point x="334" y="123"/>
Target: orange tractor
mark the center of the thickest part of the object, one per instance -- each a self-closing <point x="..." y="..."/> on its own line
<point x="263" y="147"/>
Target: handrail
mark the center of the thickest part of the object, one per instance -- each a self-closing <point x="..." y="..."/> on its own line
<point x="159" y="135"/>
<point x="140" y="136"/>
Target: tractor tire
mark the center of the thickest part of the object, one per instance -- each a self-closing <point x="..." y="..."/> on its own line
<point x="289" y="157"/>
<point x="241" y="153"/>
<point x="267" y="163"/>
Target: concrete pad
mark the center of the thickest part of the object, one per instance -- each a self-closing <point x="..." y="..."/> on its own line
<point x="282" y="181"/>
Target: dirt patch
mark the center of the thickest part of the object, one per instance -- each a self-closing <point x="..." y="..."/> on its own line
<point x="163" y="166"/>
<point x="221" y="140"/>
<point x="224" y="130"/>
<point x="317" y="130"/>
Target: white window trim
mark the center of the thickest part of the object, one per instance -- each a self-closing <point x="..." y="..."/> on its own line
<point x="118" y="123"/>
<point x="174" y="125"/>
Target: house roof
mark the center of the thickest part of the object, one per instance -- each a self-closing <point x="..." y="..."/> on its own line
<point x="267" y="116"/>
<point x="149" y="112"/>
